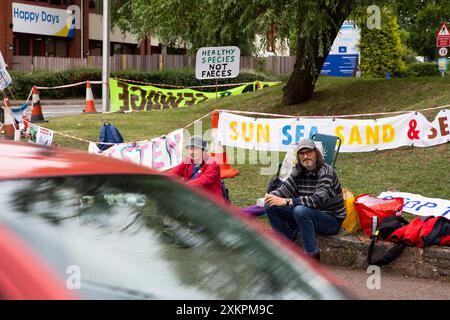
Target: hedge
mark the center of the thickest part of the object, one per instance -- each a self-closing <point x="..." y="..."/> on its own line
<point x="424" y="69"/>
<point x="24" y="81"/>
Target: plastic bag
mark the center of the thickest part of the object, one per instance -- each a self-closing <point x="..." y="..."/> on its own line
<point x="368" y="206"/>
<point x="351" y="222"/>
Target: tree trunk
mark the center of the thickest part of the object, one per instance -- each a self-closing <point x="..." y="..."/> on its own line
<point x="302" y="81"/>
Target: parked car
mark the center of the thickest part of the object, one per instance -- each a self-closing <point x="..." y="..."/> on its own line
<point x="80" y="226"/>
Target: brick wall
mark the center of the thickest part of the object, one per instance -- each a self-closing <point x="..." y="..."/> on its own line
<point x="6" y="35"/>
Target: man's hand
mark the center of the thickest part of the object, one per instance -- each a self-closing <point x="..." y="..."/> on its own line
<point x="273" y="200"/>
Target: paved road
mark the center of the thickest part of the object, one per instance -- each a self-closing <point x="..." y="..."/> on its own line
<point x="392" y="286"/>
<point x="58" y="108"/>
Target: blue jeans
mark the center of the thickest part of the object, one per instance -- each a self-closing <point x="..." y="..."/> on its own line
<point x="289" y="221"/>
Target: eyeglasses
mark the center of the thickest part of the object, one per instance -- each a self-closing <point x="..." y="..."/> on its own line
<point x="305" y="153"/>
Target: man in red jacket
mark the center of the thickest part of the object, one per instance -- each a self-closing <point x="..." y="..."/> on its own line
<point x="199" y="169"/>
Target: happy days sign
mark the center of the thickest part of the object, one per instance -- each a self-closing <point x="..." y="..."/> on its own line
<point x="411" y="129"/>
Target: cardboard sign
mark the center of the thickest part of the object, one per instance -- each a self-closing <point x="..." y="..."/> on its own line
<point x="217" y="62"/>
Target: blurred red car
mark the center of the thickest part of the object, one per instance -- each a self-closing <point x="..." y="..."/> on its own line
<point x="75" y="225"/>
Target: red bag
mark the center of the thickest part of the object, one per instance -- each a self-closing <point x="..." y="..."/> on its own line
<point x="368" y="206"/>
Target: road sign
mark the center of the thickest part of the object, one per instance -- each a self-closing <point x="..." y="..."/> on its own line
<point x="442" y="62"/>
<point x="443" y="37"/>
<point x="443" y="52"/>
<point x="217" y="62"/>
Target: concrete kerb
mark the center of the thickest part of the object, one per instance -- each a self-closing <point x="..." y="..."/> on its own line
<point x="350" y="251"/>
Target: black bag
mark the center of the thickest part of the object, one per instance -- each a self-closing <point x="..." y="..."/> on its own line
<point x="274" y="184"/>
<point x="225" y="192"/>
<point x="385" y="229"/>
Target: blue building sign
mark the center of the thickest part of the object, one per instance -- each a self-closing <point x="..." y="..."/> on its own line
<point x="344" y="54"/>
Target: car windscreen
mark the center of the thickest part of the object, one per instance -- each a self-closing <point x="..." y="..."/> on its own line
<point x="135" y="237"/>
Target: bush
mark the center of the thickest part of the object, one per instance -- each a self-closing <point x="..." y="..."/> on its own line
<point x="424" y="69"/>
<point x="382" y="50"/>
<point x="24" y="81"/>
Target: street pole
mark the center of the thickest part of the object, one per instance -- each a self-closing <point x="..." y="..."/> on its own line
<point x="105" y="60"/>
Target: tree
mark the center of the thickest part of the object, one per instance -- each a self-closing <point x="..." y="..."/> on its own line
<point x="382" y="50"/>
<point x="422" y="37"/>
<point x="312" y="24"/>
<point x="422" y="19"/>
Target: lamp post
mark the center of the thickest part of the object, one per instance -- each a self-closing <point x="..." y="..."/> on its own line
<point x="105" y="60"/>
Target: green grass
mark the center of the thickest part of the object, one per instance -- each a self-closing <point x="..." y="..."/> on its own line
<point x="425" y="171"/>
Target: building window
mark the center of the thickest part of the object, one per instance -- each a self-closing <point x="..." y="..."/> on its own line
<point x="21" y="45"/>
<point x="35" y="45"/>
<point x="95" y="48"/>
<point x="38" y="47"/>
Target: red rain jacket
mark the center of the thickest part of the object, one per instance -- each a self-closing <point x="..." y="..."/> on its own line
<point x="208" y="176"/>
<point x="424" y="231"/>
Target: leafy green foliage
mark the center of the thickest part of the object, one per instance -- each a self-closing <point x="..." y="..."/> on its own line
<point x="381" y="49"/>
<point x="423" y="33"/>
<point x="310" y="26"/>
<point x="427" y="69"/>
<point x="422" y="19"/>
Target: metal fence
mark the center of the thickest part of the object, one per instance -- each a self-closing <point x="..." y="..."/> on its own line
<point x="275" y="65"/>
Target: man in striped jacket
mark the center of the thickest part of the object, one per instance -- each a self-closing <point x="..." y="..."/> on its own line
<point x="310" y="201"/>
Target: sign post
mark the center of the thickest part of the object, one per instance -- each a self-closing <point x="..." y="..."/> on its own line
<point x="442" y="62"/>
<point x="442" y="42"/>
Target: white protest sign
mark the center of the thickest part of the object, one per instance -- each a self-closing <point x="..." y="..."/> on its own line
<point x="217" y="62"/>
<point x="160" y="153"/>
<point x="5" y="78"/>
<point x="39" y="135"/>
<point x="357" y="135"/>
<point x="421" y="206"/>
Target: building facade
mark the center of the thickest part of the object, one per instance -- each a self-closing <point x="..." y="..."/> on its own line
<point x="63" y="28"/>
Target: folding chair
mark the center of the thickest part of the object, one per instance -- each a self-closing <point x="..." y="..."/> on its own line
<point x="331" y="146"/>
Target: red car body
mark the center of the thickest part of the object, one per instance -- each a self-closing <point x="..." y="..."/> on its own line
<point x="26" y="275"/>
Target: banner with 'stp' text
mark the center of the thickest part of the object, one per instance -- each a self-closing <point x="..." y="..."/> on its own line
<point x="419" y="205"/>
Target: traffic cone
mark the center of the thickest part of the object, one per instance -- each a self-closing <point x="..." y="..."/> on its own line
<point x="226" y="170"/>
<point x="8" y="126"/>
<point x="90" y="106"/>
<point x="36" y="111"/>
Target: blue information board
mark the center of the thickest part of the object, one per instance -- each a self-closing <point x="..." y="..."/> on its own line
<point x="340" y="65"/>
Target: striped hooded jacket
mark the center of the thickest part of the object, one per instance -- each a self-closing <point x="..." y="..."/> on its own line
<point x="318" y="189"/>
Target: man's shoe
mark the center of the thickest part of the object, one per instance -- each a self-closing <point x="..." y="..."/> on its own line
<point x="316" y="256"/>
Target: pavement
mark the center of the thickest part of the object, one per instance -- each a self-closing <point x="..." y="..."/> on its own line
<point x="350" y="251"/>
<point x="391" y="286"/>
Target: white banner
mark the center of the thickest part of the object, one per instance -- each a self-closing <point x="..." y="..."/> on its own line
<point x="159" y="154"/>
<point x="5" y="78"/>
<point x="44" y="20"/>
<point x="411" y="129"/>
<point x="421" y="206"/>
